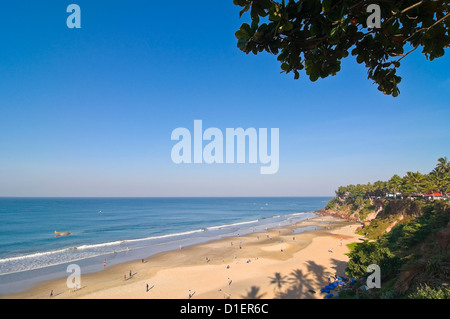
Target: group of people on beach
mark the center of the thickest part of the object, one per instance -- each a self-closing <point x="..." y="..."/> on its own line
<point x="129" y="277"/>
<point x="191" y="293"/>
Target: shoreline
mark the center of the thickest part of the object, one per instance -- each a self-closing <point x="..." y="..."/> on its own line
<point x="277" y="263"/>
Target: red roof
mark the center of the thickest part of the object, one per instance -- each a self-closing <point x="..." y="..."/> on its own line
<point x="433" y="193"/>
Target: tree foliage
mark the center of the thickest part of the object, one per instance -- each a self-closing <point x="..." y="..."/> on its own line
<point x="315" y="35"/>
<point x="413" y="182"/>
<point x="427" y="292"/>
<point x="367" y="253"/>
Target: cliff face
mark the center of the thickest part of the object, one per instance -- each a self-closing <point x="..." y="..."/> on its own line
<point x="383" y="214"/>
<point x="343" y="213"/>
<point x="404" y="207"/>
<point x="373" y="208"/>
<point x="365" y="213"/>
<point x="416" y="235"/>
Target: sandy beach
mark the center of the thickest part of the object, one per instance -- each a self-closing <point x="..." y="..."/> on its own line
<point x="278" y="263"/>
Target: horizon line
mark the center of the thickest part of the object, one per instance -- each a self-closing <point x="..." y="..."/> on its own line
<point x="302" y="196"/>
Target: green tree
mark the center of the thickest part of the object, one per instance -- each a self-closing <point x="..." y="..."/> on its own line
<point x="341" y="191"/>
<point x="315" y="35"/>
<point x="443" y="166"/>
<point x="394" y="184"/>
<point x="416" y="180"/>
<point x="359" y="202"/>
<point x="379" y="188"/>
<point x="440" y="176"/>
<point x="366" y="253"/>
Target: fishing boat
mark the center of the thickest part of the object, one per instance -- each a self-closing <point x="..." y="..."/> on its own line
<point x="57" y="234"/>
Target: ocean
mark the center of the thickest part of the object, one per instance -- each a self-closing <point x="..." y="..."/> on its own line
<point x="122" y="229"/>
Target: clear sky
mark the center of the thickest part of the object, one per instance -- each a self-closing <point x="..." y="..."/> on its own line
<point x="90" y="111"/>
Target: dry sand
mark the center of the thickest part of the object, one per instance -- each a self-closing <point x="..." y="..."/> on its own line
<point x="273" y="264"/>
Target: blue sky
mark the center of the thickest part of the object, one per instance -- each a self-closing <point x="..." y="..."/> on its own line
<point x="90" y="111"/>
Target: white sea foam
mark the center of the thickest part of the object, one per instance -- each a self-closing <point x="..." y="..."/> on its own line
<point x="231" y="225"/>
<point x="71" y="254"/>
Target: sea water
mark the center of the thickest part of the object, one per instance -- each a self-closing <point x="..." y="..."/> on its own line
<point x="106" y="231"/>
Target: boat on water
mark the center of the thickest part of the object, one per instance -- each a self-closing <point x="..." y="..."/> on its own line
<point x="57" y="234"/>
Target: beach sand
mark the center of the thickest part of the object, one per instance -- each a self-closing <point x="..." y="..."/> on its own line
<point x="277" y="263"/>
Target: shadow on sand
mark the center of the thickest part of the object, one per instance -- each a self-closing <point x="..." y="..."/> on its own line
<point x="300" y="283"/>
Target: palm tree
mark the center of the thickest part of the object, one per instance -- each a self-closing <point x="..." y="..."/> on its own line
<point x="430" y="183"/>
<point x="379" y="188"/>
<point x="445" y="184"/>
<point x="416" y="180"/>
<point x="394" y="184"/>
<point x="441" y="175"/>
<point x="443" y="166"/>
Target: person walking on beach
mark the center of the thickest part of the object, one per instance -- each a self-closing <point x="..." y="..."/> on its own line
<point x="51" y="293"/>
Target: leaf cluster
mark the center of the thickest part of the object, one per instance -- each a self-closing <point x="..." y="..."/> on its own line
<point x="315" y="35"/>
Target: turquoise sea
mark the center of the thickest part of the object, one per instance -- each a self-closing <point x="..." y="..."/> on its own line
<point x="122" y="229"/>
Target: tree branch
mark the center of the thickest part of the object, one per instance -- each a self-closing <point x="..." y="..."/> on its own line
<point x="404" y="10"/>
<point x="428" y="28"/>
<point x="413" y="6"/>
